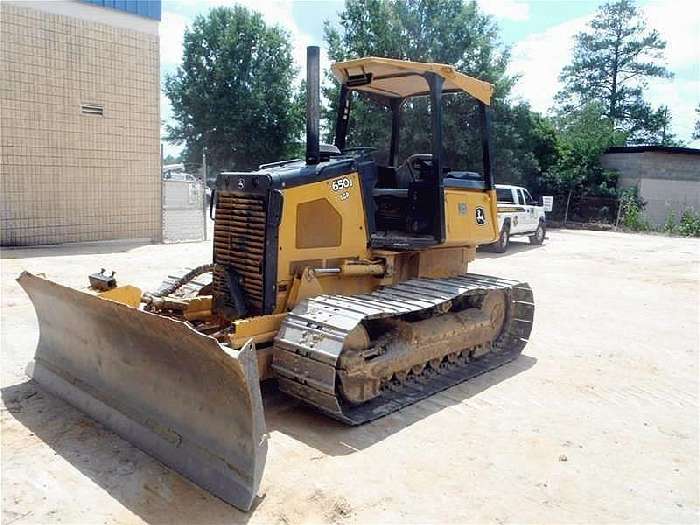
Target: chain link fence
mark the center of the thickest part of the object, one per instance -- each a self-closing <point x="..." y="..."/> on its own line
<point x="586" y="209"/>
<point x="184" y="210"/>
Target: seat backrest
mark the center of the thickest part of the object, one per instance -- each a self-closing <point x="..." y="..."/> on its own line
<point x="404" y="177"/>
<point x="465" y="175"/>
<point x="386" y="177"/>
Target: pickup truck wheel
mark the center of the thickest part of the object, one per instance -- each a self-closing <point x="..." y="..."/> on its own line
<point x="502" y="244"/>
<point x="538" y="237"/>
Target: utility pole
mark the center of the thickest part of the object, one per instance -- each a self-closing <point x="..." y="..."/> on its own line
<point x="162" y="197"/>
<point x="204" y="192"/>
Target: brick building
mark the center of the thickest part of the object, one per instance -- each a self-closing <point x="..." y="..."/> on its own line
<point x="79" y="121"/>
<point x="667" y="178"/>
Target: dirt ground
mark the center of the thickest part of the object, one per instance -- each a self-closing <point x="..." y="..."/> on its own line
<point x="596" y="422"/>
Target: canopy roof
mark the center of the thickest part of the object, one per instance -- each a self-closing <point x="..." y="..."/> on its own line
<point x="392" y="78"/>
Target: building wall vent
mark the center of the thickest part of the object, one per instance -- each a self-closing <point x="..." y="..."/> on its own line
<point x="92" y="109"/>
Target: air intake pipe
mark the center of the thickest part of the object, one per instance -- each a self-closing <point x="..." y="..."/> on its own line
<point x="313" y="104"/>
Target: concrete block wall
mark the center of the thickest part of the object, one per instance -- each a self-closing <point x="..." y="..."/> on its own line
<point x="67" y="176"/>
<point x="668" y="182"/>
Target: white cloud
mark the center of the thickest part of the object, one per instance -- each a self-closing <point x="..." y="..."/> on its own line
<point x="508" y="9"/>
<point x="165" y="115"/>
<point x="172" y="28"/>
<point x="539" y="58"/>
<point x="681" y="97"/>
<point x="679" y="24"/>
<point x="274" y="12"/>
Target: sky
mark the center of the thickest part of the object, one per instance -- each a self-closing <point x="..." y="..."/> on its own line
<point x="539" y="32"/>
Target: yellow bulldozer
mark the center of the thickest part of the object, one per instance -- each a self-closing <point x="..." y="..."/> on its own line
<point x="342" y="278"/>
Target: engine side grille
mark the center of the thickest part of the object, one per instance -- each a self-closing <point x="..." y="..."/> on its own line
<point x="239" y="243"/>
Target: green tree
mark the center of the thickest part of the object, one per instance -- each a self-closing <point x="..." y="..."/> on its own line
<point x="530" y="144"/>
<point x="584" y="135"/>
<point x="696" y="131"/>
<point x="447" y="31"/>
<point x="233" y="92"/>
<point x="657" y="129"/>
<point x="172" y="159"/>
<point x="612" y="64"/>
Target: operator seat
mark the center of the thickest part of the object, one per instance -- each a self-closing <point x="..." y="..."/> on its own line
<point x="407" y="173"/>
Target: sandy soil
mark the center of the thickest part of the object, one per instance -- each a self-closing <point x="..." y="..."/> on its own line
<point x="596" y="422"/>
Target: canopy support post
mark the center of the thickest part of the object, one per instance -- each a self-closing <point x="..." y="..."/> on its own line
<point x="395" y="104"/>
<point x="436" y="82"/>
<point x="341" y="121"/>
<point x="486" y="149"/>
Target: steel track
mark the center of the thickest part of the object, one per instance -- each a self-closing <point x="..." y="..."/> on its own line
<point x="311" y="338"/>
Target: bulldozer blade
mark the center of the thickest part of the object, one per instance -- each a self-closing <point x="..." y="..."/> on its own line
<point x="173" y="392"/>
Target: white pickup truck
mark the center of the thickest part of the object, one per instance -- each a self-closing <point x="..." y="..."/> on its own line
<point x="518" y="214"/>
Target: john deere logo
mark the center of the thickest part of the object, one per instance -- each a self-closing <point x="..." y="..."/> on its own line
<point x="480" y="216"/>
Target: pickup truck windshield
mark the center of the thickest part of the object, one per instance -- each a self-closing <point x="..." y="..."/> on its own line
<point x="504" y="195"/>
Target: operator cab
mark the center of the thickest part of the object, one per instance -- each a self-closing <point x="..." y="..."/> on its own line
<point x="407" y="205"/>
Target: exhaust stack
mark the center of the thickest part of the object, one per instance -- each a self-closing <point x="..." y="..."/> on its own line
<point x="313" y="105"/>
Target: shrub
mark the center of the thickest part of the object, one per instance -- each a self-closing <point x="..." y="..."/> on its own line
<point x="671" y="225"/>
<point x="632" y="214"/>
<point x="689" y="225"/>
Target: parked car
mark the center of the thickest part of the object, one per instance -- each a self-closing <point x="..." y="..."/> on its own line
<point x="179" y="176"/>
<point x="176" y="172"/>
<point x="519" y="215"/>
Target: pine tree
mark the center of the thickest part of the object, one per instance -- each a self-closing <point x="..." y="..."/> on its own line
<point x="612" y="64"/>
<point x="657" y="129"/>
